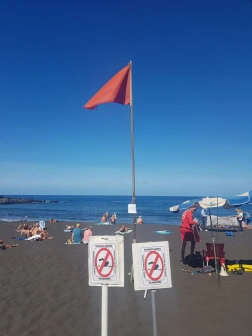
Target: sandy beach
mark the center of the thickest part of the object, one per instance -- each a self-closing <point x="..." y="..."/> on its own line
<point x="45" y="292"/>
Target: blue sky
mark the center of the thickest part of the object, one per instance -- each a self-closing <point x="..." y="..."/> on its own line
<point x="192" y="83"/>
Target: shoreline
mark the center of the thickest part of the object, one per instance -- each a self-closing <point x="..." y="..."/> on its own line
<point x="81" y="222"/>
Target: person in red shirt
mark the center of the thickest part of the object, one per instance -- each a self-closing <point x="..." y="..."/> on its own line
<point x="188" y="231"/>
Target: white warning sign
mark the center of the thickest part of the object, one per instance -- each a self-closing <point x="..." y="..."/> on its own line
<point x="106" y="261"/>
<point x="151" y="263"/>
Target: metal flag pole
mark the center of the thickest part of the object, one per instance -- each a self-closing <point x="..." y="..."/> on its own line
<point x="132" y="153"/>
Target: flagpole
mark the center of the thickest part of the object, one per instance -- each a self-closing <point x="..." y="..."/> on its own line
<point x="132" y="152"/>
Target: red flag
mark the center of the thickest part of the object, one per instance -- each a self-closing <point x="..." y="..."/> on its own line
<point x="116" y="90"/>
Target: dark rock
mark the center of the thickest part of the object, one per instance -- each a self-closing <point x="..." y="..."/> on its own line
<point x="14" y="200"/>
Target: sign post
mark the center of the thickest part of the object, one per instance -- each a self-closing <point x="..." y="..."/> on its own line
<point x="154" y="311"/>
<point x="106" y="269"/>
<point x="104" y="311"/>
<point x="151" y="262"/>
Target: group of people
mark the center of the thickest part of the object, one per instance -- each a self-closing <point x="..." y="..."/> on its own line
<point x="33" y="231"/>
<point x="80" y="235"/>
<point x="190" y="226"/>
<point x="113" y="219"/>
<point x="106" y="218"/>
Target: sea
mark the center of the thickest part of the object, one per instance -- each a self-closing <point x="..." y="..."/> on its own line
<point x="153" y="209"/>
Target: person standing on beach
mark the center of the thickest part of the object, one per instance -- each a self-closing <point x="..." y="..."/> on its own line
<point x="239" y="216"/>
<point x="140" y="220"/>
<point x="204" y="219"/>
<point x="188" y="231"/>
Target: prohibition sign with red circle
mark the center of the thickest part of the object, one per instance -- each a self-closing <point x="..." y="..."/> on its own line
<point x="101" y="267"/>
<point x="150" y="272"/>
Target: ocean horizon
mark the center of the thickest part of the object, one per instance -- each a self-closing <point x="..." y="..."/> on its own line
<point x="90" y="208"/>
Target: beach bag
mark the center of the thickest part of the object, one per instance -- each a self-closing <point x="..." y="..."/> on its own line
<point x="195" y="260"/>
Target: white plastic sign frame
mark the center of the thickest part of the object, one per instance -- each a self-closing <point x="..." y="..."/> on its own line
<point x="106" y="261"/>
<point x="132" y="209"/>
<point x="151" y="262"/>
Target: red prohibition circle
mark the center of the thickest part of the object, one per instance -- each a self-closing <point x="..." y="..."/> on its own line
<point x="100" y="269"/>
<point x="149" y="273"/>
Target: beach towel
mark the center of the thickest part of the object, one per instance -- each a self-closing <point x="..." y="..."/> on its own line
<point x="119" y="232"/>
<point x="66" y="230"/>
<point x="103" y="223"/>
<point x="163" y="232"/>
<point x="78" y="243"/>
<point x="34" y="237"/>
<point x="242" y="267"/>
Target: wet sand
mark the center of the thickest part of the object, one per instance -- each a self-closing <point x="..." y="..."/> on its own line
<point x="45" y="292"/>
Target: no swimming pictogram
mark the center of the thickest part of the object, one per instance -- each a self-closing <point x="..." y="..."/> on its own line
<point x="104" y="262"/>
<point x="154" y="266"/>
<point x="151" y="261"/>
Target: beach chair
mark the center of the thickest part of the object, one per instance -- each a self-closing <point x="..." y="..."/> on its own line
<point x="209" y="253"/>
<point x="42" y="225"/>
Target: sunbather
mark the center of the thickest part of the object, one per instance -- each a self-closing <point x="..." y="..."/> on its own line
<point x="123" y="229"/>
<point x="20" y="228"/>
<point x="43" y="235"/>
<point x="36" y="230"/>
<point x="4" y="246"/>
<point x="69" y="227"/>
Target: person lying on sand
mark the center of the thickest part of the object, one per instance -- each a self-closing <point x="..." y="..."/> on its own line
<point x="44" y="235"/>
<point x="69" y="227"/>
<point x="4" y="246"/>
<point x="123" y="229"/>
<point x="41" y="236"/>
<point x="36" y="230"/>
<point x="26" y="231"/>
<point x="20" y="228"/>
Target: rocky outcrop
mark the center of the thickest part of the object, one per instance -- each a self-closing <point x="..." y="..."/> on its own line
<point x="14" y="200"/>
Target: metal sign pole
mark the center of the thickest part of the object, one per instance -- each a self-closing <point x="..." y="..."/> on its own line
<point x="132" y="153"/>
<point x="104" y="311"/>
<point x="154" y="312"/>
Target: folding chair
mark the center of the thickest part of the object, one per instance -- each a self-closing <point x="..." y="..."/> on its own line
<point x="209" y="253"/>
